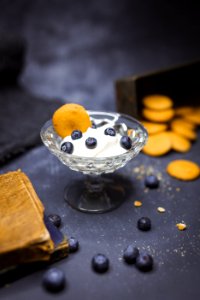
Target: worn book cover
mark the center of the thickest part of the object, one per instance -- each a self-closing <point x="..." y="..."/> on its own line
<point x="23" y="234"/>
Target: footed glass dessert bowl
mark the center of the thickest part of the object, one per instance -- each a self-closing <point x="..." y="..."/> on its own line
<point x="96" y="194"/>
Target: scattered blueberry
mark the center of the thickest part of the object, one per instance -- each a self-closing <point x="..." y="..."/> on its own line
<point x="73" y="244"/>
<point x="55" y="219"/>
<point x="76" y="134"/>
<point x="100" y="263"/>
<point x="67" y="147"/>
<point x="151" y="181"/>
<point x="126" y="142"/>
<point x="54" y="280"/>
<point x="144" y="224"/>
<point x="110" y="131"/>
<point x="130" y="254"/>
<point x="91" y="142"/>
<point x="144" y="262"/>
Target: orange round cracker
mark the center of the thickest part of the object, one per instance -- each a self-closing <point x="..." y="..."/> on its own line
<point x="179" y="143"/>
<point x="158" y="144"/>
<point x="183" y="169"/>
<point x="153" y="128"/>
<point x="194" y="118"/>
<point x="184" y="131"/>
<point x="183" y="122"/>
<point x="158" y="116"/>
<point x="157" y="102"/>
<point x="70" y="117"/>
<point x="184" y="110"/>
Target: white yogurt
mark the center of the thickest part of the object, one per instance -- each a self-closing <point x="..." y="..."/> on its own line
<point x="106" y="145"/>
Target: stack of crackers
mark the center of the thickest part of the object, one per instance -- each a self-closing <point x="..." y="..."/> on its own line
<point x="169" y="128"/>
<point x="24" y="236"/>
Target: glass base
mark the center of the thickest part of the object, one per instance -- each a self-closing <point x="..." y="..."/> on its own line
<point x="95" y="195"/>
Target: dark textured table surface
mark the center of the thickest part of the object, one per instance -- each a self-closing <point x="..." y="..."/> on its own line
<point x="75" y="51"/>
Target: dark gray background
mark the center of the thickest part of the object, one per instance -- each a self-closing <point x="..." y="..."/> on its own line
<point x="77" y="48"/>
<point x="75" y="52"/>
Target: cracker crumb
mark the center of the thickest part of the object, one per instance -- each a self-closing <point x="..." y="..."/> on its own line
<point x="130" y="131"/>
<point x="136" y="170"/>
<point x="181" y="226"/>
<point x="137" y="203"/>
<point x="161" y="209"/>
<point x="159" y="175"/>
<point x="178" y="189"/>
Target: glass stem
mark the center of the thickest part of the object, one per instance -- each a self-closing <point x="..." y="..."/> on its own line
<point x="94" y="184"/>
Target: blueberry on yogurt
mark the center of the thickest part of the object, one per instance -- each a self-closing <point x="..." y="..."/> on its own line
<point x="67" y="147"/>
<point x="76" y="134"/>
<point x="110" y="131"/>
<point x="126" y="142"/>
<point x="91" y="142"/>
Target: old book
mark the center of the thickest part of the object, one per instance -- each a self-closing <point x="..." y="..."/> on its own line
<point x="23" y="234"/>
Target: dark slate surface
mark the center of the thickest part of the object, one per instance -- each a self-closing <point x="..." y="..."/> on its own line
<point x="176" y="254"/>
<point x="75" y="51"/>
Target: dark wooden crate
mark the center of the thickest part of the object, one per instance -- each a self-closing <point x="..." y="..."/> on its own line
<point x="181" y="83"/>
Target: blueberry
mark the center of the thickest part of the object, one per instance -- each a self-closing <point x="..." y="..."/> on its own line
<point x="126" y="142"/>
<point x="76" y="134"/>
<point x="73" y="244"/>
<point x="110" y="131"/>
<point x="151" y="181"/>
<point x="67" y="147"/>
<point x="94" y="125"/>
<point x="54" y="280"/>
<point x="144" y="224"/>
<point x="130" y="254"/>
<point x="91" y="143"/>
<point x="55" y="219"/>
<point x="144" y="262"/>
<point x="100" y="263"/>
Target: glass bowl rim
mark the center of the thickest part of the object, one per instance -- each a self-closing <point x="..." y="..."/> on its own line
<point x="97" y="159"/>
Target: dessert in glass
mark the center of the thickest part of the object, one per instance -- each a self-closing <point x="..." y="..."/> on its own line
<point x="96" y="144"/>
